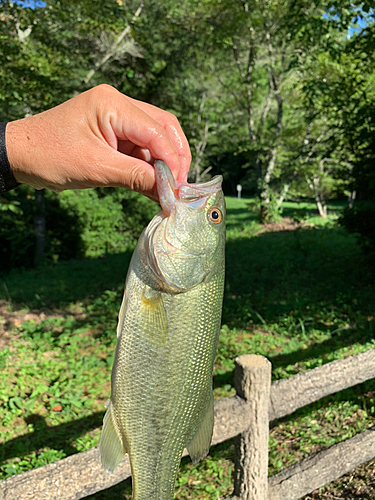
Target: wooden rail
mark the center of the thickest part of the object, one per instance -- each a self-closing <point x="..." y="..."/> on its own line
<point x="246" y="415"/>
<point x="286" y="396"/>
<point x="322" y="468"/>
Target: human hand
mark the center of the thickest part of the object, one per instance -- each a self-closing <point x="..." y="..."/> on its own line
<point x="99" y="138"/>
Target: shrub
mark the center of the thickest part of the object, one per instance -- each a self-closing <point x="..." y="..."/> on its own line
<point x="87" y="223"/>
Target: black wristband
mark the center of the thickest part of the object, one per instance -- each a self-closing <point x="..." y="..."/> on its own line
<point x="7" y="180"/>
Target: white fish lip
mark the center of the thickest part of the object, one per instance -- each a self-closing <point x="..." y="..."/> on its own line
<point x="169" y="190"/>
<point x="166" y="186"/>
<point x="191" y="192"/>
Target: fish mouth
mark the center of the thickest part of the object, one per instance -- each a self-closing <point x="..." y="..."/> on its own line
<point x="192" y="192"/>
<point x="170" y="190"/>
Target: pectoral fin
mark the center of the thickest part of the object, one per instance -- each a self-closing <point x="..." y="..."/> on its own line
<point x="111" y="447"/>
<point x="121" y="317"/>
<point x="199" y="445"/>
<point x="155" y="325"/>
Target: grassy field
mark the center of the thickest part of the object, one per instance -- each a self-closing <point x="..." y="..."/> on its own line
<point x="298" y="291"/>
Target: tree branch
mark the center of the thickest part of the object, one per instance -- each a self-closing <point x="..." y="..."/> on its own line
<point x="115" y="46"/>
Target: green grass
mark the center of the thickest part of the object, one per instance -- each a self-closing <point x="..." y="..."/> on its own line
<point x="302" y="296"/>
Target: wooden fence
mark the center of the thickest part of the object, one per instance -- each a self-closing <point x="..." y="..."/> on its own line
<point x="244" y="417"/>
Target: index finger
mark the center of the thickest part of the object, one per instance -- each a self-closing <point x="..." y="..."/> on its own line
<point x="173" y="128"/>
<point x="120" y="120"/>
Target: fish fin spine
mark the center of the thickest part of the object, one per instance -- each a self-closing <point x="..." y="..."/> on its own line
<point x="111" y="446"/>
<point x="199" y="444"/>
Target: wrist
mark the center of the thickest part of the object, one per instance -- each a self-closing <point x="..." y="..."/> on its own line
<point x="7" y="179"/>
<point x="21" y="156"/>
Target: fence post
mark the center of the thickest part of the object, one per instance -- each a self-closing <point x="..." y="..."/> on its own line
<point x="253" y="383"/>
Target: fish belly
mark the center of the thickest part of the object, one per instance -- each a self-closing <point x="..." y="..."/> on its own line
<point x="162" y="381"/>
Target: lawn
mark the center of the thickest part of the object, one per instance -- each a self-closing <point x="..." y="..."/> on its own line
<point x="298" y="291"/>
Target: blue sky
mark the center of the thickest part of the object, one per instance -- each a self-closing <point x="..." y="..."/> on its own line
<point x="33" y="4"/>
<point x="361" y="23"/>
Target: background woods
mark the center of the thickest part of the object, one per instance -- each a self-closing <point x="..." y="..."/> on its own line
<point x="276" y="95"/>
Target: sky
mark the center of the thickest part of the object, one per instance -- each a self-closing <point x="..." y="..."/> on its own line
<point x="33" y="4"/>
<point x="361" y="23"/>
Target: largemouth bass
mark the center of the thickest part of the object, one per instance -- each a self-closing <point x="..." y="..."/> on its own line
<point x="161" y="395"/>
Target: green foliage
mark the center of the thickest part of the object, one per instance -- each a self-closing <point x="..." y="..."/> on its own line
<point x="359" y="130"/>
<point x="301" y="296"/>
<point x="111" y="219"/>
<point x="17" y="238"/>
<point x="31" y="68"/>
<point x="79" y="224"/>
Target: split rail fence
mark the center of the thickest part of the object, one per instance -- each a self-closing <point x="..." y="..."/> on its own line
<point x="244" y="417"/>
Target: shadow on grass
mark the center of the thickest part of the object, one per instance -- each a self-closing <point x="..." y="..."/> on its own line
<point x="58" y="437"/>
<point x="307" y="208"/>
<point x="315" y="275"/>
<point x="239" y="217"/>
<point x="56" y="285"/>
<point x="308" y="283"/>
<point x="302" y="272"/>
<point x="304" y="280"/>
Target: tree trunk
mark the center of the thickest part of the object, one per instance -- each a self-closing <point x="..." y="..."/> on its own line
<point x="322" y="208"/>
<point x="351" y="198"/>
<point x="315" y="186"/>
<point x="265" y="199"/>
<point x="265" y="202"/>
<point x="115" y="46"/>
<point x="39" y="226"/>
<point x="285" y="190"/>
<point x="201" y="143"/>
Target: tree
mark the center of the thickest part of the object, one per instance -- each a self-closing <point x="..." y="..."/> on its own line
<point x="266" y="44"/>
<point x="338" y="95"/>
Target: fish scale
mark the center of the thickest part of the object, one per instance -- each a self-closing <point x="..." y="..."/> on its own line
<point x="161" y="399"/>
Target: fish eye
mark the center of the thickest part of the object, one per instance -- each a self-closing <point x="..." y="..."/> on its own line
<point x="215" y="215"/>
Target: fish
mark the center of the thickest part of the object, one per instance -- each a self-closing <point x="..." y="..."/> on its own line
<point x="161" y="386"/>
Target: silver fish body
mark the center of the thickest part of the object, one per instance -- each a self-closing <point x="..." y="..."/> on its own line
<point x="161" y="398"/>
